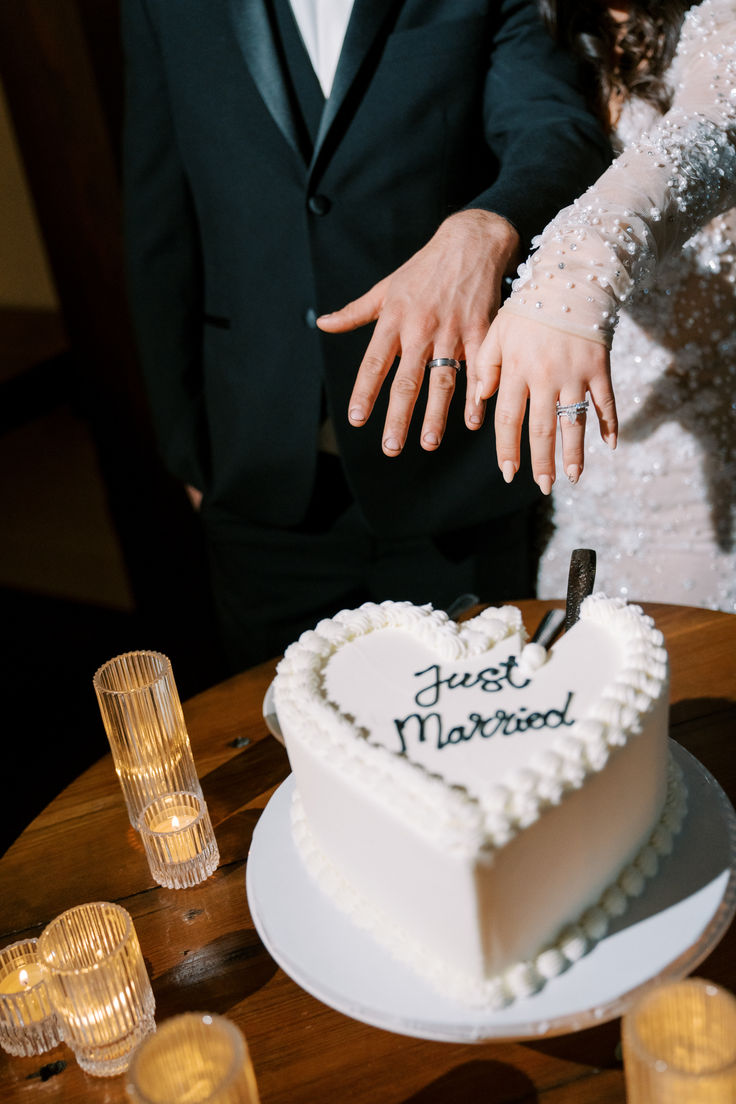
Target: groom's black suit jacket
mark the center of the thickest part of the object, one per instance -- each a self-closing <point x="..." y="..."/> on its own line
<point x="241" y="228"/>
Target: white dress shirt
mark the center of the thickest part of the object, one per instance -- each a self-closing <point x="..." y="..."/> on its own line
<point x="322" y="25"/>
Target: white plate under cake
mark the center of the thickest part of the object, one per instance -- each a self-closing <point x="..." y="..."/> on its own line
<point x="482" y="806"/>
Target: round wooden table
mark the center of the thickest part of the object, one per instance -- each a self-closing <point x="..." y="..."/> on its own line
<point x="202" y="950"/>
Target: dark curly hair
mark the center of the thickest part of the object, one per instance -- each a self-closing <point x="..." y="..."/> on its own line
<point x="646" y="47"/>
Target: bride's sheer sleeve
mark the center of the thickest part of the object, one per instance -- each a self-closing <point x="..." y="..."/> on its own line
<point x="652" y="199"/>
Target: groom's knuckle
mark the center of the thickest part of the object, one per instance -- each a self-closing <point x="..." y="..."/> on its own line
<point x="506" y="417"/>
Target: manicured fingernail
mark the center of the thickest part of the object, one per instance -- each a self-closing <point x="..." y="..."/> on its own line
<point x="475" y="419"/>
<point x="431" y="439"/>
<point x="611" y="440"/>
<point x="391" y="444"/>
<point x="544" y="482"/>
<point x="478" y="392"/>
<point x="509" y="470"/>
<point x="356" y="414"/>
<point x="573" y="472"/>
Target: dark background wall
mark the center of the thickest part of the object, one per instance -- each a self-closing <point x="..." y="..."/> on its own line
<point x="99" y="551"/>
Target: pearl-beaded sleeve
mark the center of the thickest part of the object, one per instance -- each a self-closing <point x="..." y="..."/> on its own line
<point x="664" y="187"/>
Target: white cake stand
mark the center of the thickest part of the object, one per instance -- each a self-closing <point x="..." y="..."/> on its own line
<point x="665" y="933"/>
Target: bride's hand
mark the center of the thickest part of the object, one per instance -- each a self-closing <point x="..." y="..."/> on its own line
<point x="526" y="360"/>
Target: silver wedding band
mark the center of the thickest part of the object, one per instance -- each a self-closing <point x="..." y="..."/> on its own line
<point x="571" y="410"/>
<point x="445" y="362"/>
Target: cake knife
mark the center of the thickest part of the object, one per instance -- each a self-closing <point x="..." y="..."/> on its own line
<point x="548" y="628"/>
<point x="579" y="585"/>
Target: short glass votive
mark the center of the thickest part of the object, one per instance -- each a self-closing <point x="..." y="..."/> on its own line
<point x="98" y="984"/>
<point x="179" y="840"/>
<point x="145" y="726"/>
<point x="679" y="1045"/>
<point x="28" y="1023"/>
<point x="195" y="1058"/>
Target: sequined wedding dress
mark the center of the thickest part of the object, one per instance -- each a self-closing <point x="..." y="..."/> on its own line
<point x="657" y="234"/>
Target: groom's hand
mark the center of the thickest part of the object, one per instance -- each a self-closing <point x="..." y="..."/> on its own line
<point x="438" y="304"/>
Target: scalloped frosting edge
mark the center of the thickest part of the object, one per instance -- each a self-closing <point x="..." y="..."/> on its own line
<point x="466" y="823"/>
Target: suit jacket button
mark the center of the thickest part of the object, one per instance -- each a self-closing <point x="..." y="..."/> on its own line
<point x="319" y="204"/>
<point x="310" y="317"/>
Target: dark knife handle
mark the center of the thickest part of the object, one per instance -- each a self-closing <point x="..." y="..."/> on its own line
<point x="580" y="583"/>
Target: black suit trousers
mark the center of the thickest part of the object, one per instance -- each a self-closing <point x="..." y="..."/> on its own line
<point x="271" y="584"/>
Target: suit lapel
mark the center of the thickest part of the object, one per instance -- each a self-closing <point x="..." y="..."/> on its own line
<point x="255" y="36"/>
<point x="366" y="21"/>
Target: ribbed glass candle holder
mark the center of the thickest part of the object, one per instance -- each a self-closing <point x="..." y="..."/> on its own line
<point x="145" y="726"/>
<point x="679" y="1045"/>
<point x="28" y="1023"/>
<point x="179" y="840"/>
<point x="98" y="985"/>
<point x="196" y="1058"/>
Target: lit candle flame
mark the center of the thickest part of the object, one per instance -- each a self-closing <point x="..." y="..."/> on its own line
<point x="174" y="821"/>
<point x="23" y="977"/>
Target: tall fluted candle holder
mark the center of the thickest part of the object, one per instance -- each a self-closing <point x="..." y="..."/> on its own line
<point x="679" y="1045"/>
<point x="28" y="1022"/>
<point x="145" y="726"/>
<point x="179" y="840"/>
<point x="98" y="984"/>
<point x="195" y="1058"/>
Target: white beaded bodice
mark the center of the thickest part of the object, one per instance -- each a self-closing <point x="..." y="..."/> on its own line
<point x="646" y="261"/>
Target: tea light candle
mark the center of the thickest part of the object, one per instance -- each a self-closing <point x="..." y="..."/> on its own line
<point x="197" y="1057"/>
<point x="179" y="840"/>
<point x="23" y="980"/>
<point x="28" y="1023"/>
<point x="181" y="844"/>
<point x="98" y="984"/>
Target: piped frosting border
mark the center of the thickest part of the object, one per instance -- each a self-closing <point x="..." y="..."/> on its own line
<point x="462" y="822"/>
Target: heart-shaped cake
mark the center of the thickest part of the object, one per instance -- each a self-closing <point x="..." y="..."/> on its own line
<point x="482" y="805"/>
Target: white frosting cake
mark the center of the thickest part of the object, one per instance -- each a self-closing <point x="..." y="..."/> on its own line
<point x="483" y="806"/>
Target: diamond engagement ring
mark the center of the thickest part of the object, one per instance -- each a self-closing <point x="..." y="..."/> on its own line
<point x="445" y="362"/>
<point x="572" y="410"/>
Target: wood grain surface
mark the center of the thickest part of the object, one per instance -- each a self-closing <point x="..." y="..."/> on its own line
<point x="203" y="953"/>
